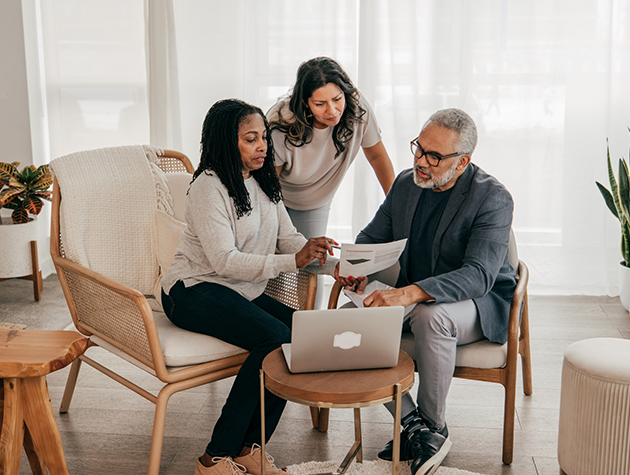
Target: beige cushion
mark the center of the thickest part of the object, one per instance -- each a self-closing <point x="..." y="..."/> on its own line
<point x="169" y="233"/>
<point x="183" y="348"/>
<point x="178" y="184"/>
<point x="481" y="354"/>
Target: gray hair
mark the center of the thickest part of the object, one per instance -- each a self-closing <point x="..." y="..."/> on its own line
<point x="460" y="122"/>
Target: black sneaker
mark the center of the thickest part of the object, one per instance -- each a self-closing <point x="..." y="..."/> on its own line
<point x="387" y="453"/>
<point x="427" y="448"/>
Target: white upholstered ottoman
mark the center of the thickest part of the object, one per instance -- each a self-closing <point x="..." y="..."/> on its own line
<point x="594" y="431"/>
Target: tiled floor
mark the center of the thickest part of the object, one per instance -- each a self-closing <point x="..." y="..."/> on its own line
<point x="108" y="428"/>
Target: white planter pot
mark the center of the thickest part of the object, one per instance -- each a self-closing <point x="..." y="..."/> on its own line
<point x="15" y="248"/>
<point x="624" y="285"/>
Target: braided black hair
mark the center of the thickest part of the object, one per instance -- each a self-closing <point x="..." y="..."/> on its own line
<point x="220" y="153"/>
<point x="311" y="75"/>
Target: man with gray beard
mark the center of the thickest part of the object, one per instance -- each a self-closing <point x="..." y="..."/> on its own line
<point x="455" y="267"/>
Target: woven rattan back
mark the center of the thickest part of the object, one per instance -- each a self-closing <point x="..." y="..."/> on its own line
<point x="297" y="290"/>
<point x="111" y="316"/>
<point x="175" y="162"/>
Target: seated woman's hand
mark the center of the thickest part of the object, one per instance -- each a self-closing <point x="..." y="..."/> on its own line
<point x="315" y="248"/>
<point x="356" y="284"/>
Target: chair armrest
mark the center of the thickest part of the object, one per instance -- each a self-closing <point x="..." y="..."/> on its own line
<point x="115" y="312"/>
<point x="333" y="300"/>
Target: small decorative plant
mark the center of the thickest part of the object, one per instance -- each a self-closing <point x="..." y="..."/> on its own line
<point x="618" y="202"/>
<point x="23" y="191"/>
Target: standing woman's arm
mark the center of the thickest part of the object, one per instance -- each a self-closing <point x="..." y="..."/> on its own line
<point x="279" y="169"/>
<point x="379" y="160"/>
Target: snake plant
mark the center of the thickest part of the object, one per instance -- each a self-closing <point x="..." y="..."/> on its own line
<point x="23" y="191"/>
<point x="618" y="202"/>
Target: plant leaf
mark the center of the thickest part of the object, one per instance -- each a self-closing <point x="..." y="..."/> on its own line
<point x="46" y="195"/>
<point x="33" y="204"/>
<point x="28" y="174"/>
<point x="19" y="216"/>
<point x="607" y="198"/>
<point x="7" y="170"/>
<point x="13" y="203"/>
<point x="613" y="183"/>
<point x="624" y="189"/>
<point x="10" y="193"/>
<point x="43" y="182"/>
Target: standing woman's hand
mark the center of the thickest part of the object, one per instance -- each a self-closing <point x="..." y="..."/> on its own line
<point x="315" y="248"/>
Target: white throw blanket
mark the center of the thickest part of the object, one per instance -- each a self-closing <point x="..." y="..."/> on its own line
<point x="109" y="198"/>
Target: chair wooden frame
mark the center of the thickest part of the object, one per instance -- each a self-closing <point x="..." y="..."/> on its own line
<point x="517" y="344"/>
<point x="84" y="289"/>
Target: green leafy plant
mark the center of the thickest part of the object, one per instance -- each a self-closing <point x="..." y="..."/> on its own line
<point x="24" y="191"/>
<point x="618" y="202"/>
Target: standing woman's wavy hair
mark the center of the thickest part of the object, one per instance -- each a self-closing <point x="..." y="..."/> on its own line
<point x="311" y="75"/>
<point x="220" y="153"/>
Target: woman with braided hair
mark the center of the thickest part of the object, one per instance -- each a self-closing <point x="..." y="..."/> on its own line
<point x="235" y="220"/>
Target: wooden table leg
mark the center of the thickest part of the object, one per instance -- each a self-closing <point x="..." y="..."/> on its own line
<point x="396" y="444"/>
<point x="35" y="460"/>
<point x="38" y="284"/>
<point x="324" y="417"/>
<point x="357" y="433"/>
<point x="12" y="431"/>
<point x="40" y="421"/>
<point x="263" y="436"/>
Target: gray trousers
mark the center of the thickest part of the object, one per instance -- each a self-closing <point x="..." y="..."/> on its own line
<point x="312" y="223"/>
<point x="438" y="329"/>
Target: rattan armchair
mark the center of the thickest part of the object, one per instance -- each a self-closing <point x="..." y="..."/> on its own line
<point x="124" y="321"/>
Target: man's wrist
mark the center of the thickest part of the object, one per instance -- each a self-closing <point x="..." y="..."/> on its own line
<point x="419" y="295"/>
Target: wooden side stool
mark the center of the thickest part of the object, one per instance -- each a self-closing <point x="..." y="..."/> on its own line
<point x="26" y="415"/>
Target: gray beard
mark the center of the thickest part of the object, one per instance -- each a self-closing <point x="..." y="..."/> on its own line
<point x="432" y="183"/>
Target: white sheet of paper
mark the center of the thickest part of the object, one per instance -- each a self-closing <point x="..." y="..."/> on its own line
<point x="365" y="259"/>
<point x="371" y="287"/>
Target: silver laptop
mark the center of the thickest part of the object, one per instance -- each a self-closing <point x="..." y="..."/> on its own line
<point x="344" y="339"/>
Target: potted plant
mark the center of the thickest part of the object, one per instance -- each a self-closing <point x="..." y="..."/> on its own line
<point x="618" y="202"/>
<point x="23" y="193"/>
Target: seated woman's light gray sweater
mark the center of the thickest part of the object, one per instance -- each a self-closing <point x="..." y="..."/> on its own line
<point x="236" y="253"/>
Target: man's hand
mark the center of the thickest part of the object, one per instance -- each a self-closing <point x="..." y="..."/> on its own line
<point x="357" y="284"/>
<point x="404" y="297"/>
<point x="315" y="248"/>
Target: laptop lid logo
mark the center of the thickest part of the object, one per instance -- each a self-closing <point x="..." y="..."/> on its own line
<point x="347" y="340"/>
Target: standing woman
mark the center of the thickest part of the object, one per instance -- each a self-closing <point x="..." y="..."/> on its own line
<point x="235" y="220"/>
<point x="318" y="131"/>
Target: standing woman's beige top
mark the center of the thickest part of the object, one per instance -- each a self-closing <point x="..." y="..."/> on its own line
<point x="311" y="174"/>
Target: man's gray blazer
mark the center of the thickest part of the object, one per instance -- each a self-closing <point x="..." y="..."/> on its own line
<point x="470" y="248"/>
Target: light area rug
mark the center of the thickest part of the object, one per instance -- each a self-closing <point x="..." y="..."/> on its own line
<point x="11" y="326"/>
<point x="372" y="467"/>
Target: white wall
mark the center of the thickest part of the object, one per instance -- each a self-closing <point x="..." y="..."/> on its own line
<point x="16" y="112"/>
<point x="15" y="127"/>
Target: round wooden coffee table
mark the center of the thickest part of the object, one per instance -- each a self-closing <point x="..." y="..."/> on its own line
<point x="26" y="357"/>
<point x="342" y="389"/>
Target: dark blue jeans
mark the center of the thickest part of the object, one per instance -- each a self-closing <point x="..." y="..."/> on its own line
<point x="259" y="326"/>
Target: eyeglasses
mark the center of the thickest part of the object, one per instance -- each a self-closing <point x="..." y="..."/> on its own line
<point x="433" y="159"/>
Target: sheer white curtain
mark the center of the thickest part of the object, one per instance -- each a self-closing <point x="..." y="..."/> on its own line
<point x="545" y="80"/>
<point x="95" y="73"/>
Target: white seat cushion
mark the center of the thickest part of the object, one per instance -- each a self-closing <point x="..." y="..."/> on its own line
<point x="481" y="354"/>
<point x="183" y="348"/>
